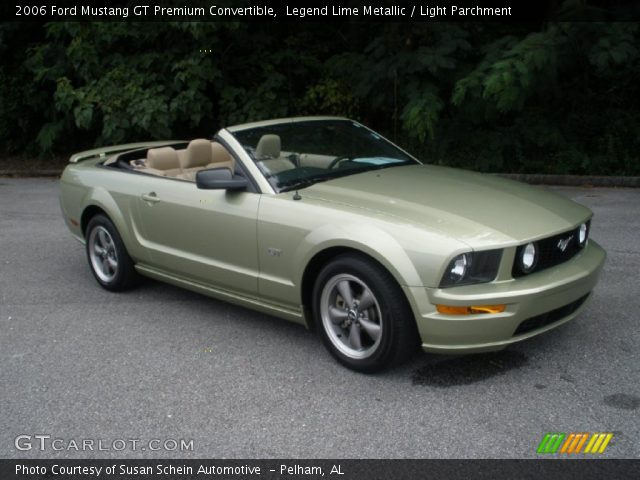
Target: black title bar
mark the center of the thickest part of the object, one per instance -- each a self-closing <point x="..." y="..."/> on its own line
<point x="315" y="469"/>
<point x="345" y="11"/>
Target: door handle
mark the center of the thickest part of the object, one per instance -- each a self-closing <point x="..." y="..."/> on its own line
<point x="150" y="197"/>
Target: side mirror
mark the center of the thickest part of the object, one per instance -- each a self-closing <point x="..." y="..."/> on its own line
<point x="220" y="179"/>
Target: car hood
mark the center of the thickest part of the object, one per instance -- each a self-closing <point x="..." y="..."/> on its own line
<point x="479" y="209"/>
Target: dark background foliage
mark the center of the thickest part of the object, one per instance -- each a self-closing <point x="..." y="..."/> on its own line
<point x="552" y="97"/>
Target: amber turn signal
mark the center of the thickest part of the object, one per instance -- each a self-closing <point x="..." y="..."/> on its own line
<point x="470" y="310"/>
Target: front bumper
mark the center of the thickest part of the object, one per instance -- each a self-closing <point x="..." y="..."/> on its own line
<point x="544" y="300"/>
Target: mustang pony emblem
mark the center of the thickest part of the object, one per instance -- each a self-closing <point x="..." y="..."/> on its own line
<point x="563" y="243"/>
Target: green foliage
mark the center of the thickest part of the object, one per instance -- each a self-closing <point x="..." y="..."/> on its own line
<point x="562" y="97"/>
<point x="330" y="97"/>
<point x="102" y="88"/>
<point x="616" y="47"/>
<point x="421" y="113"/>
<point x="510" y="71"/>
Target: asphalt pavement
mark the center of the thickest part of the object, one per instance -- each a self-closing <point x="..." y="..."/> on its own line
<point x="79" y="364"/>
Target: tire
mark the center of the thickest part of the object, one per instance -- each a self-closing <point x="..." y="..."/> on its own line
<point x="108" y="259"/>
<point x="368" y="339"/>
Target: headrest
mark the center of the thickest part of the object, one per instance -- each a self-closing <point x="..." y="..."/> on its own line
<point x="268" y="146"/>
<point x="163" y="158"/>
<point x="198" y="153"/>
<point x="219" y="154"/>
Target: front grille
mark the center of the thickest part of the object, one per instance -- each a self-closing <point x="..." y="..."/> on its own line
<point x="548" y="318"/>
<point x="549" y="252"/>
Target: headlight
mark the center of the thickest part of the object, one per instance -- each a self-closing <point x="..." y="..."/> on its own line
<point x="528" y="257"/>
<point x="583" y="233"/>
<point x="458" y="267"/>
<point x="472" y="267"/>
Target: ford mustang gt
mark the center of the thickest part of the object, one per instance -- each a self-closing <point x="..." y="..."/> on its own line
<point x="324" y="222"/>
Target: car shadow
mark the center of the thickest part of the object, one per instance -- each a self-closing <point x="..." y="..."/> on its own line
<point x="445" y="372"/>
<point x="220" y="310"/>
<point x="434" y="371"/>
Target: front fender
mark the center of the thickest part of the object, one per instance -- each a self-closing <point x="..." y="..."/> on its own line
<point x="363" y="237"/>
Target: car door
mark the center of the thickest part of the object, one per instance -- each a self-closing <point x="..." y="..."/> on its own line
<point x="208" y="236"/>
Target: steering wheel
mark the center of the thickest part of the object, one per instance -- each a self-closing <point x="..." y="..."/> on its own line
<point x="334" y="163"/>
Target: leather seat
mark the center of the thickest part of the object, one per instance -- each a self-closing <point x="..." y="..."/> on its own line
<point x="268" y="156"/>
<point x="268" y="147"/>
<point x="202" y="154"/>
<point x="196" y="156"/>
<point x="162" y="161"/>
<point x="220" y="157"/>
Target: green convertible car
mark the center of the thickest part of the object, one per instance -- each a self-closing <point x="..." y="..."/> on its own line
<point x="324" y="222"/>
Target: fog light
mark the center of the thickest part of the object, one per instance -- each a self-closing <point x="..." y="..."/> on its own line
<point x="529" y="257"/>
<point x="469" y="310"/>
<point x="582" y="234"/>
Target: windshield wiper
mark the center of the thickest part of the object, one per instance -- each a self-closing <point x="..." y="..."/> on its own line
<point x="306" y="182"/>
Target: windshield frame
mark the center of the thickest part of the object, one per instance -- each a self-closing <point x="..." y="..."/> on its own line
<point x="306" y="181"/>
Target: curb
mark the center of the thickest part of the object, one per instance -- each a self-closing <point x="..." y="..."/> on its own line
<point x="533" y="178"/>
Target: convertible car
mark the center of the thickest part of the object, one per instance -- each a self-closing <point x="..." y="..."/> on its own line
<point x="324" y="222"/>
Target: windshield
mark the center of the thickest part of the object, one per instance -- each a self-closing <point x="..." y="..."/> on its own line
<point x="295" y="155"/>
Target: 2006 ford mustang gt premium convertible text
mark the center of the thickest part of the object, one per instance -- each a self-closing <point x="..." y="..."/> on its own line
<point x="322" y="221"/>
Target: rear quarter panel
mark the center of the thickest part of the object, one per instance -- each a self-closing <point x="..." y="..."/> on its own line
<point x="116" y="192"/>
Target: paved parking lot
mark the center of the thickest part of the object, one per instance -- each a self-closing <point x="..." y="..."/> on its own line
<point x="78" y="363"/>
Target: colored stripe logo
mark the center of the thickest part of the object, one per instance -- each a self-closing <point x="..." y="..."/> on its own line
<point x="555" y="442"/>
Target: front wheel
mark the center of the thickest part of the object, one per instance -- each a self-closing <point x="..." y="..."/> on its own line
<point x="363" y="316"/>
<point x="109" y="261"/>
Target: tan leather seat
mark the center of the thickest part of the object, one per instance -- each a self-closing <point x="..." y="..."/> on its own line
<point x="202" y="154"/>
<point x="220" y="157"/>
<point x="197" y="155"/>
<point x="268" y="156"/>
<point x="163" y="161"/>
<point x="268" y="147"/>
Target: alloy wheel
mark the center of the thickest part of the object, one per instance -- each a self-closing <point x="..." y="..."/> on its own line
<point x="351" y="316"/>
<point x="103" y="255"/>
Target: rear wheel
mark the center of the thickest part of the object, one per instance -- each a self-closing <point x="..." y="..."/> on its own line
<point x="109" y="261"/>
<point x="362" y="313"/>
